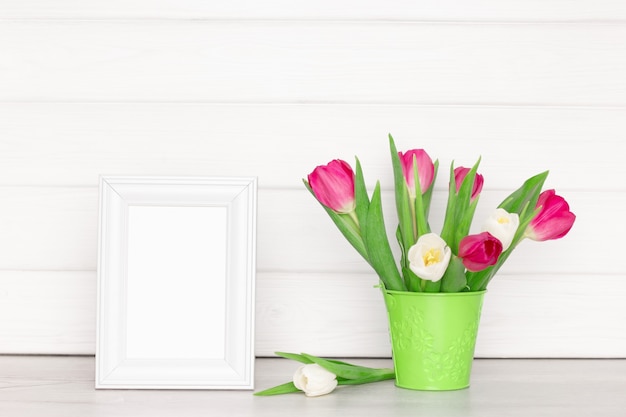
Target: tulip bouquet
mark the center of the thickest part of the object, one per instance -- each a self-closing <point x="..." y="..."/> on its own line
<point x="454" y="260"/>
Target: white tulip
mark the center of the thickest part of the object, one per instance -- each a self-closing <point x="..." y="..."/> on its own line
<point x="429" y="257"/>
<point x="314" y="380"/>
<point x="502" y="225"/>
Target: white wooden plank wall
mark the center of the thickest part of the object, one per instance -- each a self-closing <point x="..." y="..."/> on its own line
<point x="273" y="89"/>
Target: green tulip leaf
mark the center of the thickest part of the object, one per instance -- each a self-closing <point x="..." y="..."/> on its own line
<point x="360" y="196"/>
<point x="449" y="222"/>
<point x="349" y="371"/>
<point x="295" y="357"/>
<point x="454" y="279"/>
<point x="427" y="196"/>
<point x="378" y="249"/>
<point x="305" y="359"/>
<point x="465" y="207"/>
<point x="420" y="213"/>
<point x="526" y="195"/>
<point x="432" y="286"/>
<point x="403" y="205"/>
<point x="346" y="225"/>
<point x="285" y="388"/>
<point x="382" y="376"/>
<point x="460" y="209"/>
<point x="412" y="281"/>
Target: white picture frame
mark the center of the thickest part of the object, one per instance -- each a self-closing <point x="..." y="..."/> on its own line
<point x="176" y="280"/>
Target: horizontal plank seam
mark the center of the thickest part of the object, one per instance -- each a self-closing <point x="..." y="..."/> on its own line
<point x="277" y="103"/>
<point x="329" y="20"/>
<point x="62" y="355"/>
<point x="438" y="189"/>
<point x="271" y="271"/>
<point x="490" y="358"/>
<point x="69" y="186"/>
<point x="483" y="358"/>
<point x="373" y="274"/>
<point x="50" y="270"/>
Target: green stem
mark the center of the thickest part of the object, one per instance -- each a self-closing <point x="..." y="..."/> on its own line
<point x="354" y="218"/>
<point x="413" y="218"/>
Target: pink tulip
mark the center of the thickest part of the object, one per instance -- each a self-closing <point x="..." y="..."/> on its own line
<point x="460" y="173"/>
<point x="425" y="168"/>
<point x="554" y="219"/>
<point x="479" y="251"/>
<point x="333" y="185"/>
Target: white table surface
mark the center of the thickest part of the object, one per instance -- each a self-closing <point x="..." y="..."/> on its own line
<point x="64" y="386"/>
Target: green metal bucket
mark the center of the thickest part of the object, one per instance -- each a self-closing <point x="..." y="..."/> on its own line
<point x="433" y="336"/>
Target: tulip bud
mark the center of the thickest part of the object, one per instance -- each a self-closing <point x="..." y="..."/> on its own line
<point x="479" y="251"/>
<point x="333" y="186"/>
<point x="425" y="168"/>
<point x="503" y="226"/>
<point x="314" y="380"/>
<point x="554" y="219"/>
<point x="460" y="173"/>
<point x="429" y="257"/>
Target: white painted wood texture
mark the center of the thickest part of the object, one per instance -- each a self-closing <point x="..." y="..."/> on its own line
<point x="61" y="386"/>
<point x="271" y="90"/>
<point x="260" y="61"/>
<point x="446" y="10"/>
<point x="581" y="146"/>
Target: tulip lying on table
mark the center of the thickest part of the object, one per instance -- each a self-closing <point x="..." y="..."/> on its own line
<point x="319" y="376"/>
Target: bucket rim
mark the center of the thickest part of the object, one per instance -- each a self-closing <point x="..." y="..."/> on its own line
<point x="430" y="294"/>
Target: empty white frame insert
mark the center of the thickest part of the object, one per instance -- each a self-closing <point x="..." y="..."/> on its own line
<point x="176" y="274"/>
